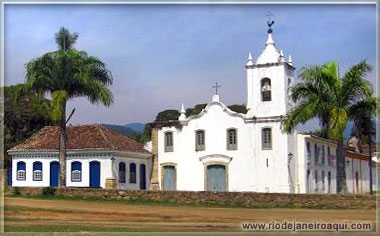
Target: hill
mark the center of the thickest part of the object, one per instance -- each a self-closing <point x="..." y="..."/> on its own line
<point x="139" y="127"/>
<point x="123" y="130"/>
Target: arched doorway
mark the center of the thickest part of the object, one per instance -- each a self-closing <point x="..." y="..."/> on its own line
<point x="95" y="174"/>
<point x="142" y="176"/>
<point x="54" y="173"/>
<point x="216" y="178"/>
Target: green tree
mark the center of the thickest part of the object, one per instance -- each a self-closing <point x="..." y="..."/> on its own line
<point x="364" y="126"/>
<point x="24" y="114"/>
<point x="167" y="115"/>
<point x="238" y="108"/>
<point x="195" y="110"/>
<point x="323" y="94"/>
<point x="65" y="74"/>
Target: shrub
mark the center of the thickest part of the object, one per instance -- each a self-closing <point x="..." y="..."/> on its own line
<point x="48" y="191"/>
<point x="16" y="191"/>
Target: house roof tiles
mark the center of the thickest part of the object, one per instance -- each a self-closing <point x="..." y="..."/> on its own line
<point x="93" y="136"/>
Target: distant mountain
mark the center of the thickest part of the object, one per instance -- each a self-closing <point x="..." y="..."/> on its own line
<point x="126" y="131"/>
<point x="139" y="127"/>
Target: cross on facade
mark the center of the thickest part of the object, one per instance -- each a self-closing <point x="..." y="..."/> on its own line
<point x="216" y="86"/>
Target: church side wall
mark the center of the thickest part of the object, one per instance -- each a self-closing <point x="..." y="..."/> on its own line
<point x="301" y="166"/>
<point x="360" y="184"/>
<point x="273" y="177"/>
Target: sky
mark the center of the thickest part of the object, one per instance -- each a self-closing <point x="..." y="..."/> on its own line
<point x="163" y="55"/>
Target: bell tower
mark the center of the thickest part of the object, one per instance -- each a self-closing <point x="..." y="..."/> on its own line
<point x="268" y="80"/>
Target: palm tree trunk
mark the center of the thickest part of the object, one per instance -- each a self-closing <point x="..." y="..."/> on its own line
<point x="341" y="168"/>
<point x="370" y="160"/>
<point x="62" y="149"/>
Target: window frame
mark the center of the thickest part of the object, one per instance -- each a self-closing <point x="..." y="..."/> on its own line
<point x="316" y="187"/>
<point x="76" y="174"/>
<point x="37" y="173"/>
<point x="323" y="154"/>
<point x="132" y="178"/>
<point x="264" y="145"/>
<point x="323" y="181"/>
<point x="122" y="177"/>
<point x="232" y="146"/>
<point x="21" y="173"/>
<point x="316" y="154"/>
<point x="266" y="98"/>
<point x="198" y="146"/>
<point x="169" y="148"/>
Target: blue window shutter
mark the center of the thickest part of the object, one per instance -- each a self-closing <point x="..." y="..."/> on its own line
<point x="37" y="166"/>
<point x="76" y="165"/>
<point x="21" y="165"/>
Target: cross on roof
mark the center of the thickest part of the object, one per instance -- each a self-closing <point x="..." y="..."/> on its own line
<point x="216" y="86"/>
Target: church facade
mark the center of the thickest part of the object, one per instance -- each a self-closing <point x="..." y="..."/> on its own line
<point x="222" y="150"/>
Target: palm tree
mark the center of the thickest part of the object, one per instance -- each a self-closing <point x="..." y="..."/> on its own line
<point x="332" y="99"/>
<point x="364" y="126"/>
<point x="68" y="73"/>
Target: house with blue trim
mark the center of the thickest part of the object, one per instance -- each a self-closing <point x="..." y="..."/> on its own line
<point x="96" y="157"/>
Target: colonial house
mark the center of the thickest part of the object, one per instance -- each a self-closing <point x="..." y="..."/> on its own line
<point x="357" y="170"/>
<point x="96" y="157"/>
<point x="222" y="150"/>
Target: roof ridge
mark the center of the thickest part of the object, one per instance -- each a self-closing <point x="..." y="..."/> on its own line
<point x="105" y="137"/>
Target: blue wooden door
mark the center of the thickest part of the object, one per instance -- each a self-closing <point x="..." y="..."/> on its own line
<point x="54" y="173"/>
<point x="142" y="176"/>
<point x="216" y="178"/>
<point x="10" y="177"/>
<point x="169" y="180"/>
<point x="95" y="174"/>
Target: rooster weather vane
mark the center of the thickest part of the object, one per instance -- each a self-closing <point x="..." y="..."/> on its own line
<point x="270" y="22"/>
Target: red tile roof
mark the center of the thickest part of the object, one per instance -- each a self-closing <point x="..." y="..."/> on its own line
<point x="80" y="137"/>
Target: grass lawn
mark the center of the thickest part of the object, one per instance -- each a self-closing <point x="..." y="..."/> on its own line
<point x="52" y="215"/>
<point x="64" y="228"/>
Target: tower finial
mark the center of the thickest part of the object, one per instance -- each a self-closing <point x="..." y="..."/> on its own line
<point x="250" y="61"/>
<point x="183" y="109"/>
<point x="290" y="62"/>
<point x="182" y="115"/>
<point x="270" y="22"/>
<point x="281" y="56"/>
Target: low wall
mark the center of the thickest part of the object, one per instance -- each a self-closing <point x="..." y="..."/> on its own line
<point x="244" y="199"/>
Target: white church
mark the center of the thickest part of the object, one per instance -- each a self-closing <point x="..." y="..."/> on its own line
<point x="221" y="150"/>
<point x="216" y="150"/>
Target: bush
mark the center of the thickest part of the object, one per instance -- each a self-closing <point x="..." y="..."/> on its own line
<point x="16" y="191"/>
<point x="48" y="191"/>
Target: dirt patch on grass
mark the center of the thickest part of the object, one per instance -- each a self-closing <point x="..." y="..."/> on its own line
<point x="106" y="217"/>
